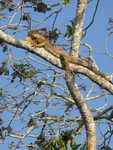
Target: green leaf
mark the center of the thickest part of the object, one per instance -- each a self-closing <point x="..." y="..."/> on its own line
<point x="66" y="2"/>
<point x="69" y="31"/>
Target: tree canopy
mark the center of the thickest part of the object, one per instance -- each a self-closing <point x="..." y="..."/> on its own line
<point x="53" y="94"/>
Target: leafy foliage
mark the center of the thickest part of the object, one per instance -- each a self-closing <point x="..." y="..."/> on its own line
<point x="65" y="141"/>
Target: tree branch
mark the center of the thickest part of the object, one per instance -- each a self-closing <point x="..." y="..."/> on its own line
<point x="79" y="20"/>
<point x="93" y="17"/>
<point x="56" y="61"/>
<point x="84" y="111"/>
<point x="72" y="86"/>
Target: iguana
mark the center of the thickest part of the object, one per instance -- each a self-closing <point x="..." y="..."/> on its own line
<point x="37" y="40"/>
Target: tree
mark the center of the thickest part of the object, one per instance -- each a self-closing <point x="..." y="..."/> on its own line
<point x="42" y="85"/>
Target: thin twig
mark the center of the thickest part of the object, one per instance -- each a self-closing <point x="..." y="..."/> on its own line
<point x="93" y="17"/>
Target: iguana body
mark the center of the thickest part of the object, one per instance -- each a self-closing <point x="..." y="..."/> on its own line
<point x="37" y="40"/>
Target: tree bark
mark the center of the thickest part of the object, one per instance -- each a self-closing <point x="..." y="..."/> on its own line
<point x="79" y="20"/>
<point x="105" y="84"/>
<point x="84" y="111"/>
<point x="72" y="86"/>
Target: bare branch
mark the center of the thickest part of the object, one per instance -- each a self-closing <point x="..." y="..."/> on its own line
<point x="76" y="37"/>
<point x="85" y="112"/>
<point x="93" y="17"/>
<point x="105" y="45"/>
<point x="96" y="77"/>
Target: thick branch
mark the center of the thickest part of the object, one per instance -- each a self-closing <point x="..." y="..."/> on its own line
<point x="56" y="61"/>
<point x="81" y="105"/>
<point x="80" y="13"/>
<point x="101" y="81"/>
<point x="84" y="111"/>
<point x="72" y="86"/>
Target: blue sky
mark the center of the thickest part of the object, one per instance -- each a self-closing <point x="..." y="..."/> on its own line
<point x="95" y="36"/>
